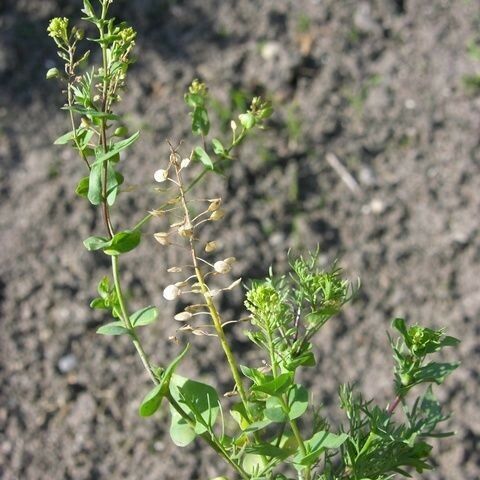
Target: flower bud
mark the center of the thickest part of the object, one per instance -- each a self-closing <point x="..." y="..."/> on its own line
<point x="53" y="73"/>
<point x="222" y="266"/>
<point x="171" y="292"/>
<point x="233" y="125"/>
<point x="160" y="175"/>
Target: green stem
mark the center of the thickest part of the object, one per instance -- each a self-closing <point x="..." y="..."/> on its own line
<point x="128" y="323"/>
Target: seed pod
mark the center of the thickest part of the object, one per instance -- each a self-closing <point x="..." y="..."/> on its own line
<point x="196" y="308"/>
<point x="222" y="266"/>
<point x="183" y="316"/>
<point x="185" y="163"/>
<point x="230" y="260"/>
<point x="234" y="284"/>
<point x="211" y="246"/>
<point x="162" y="238"/>
<point x="217" y="215"/>
<point x="171" y="292"/>
<point x="214" y="204"/>
<point x="186" y="231"/>
<point x="174" y="270"/>
<point x="160" y="175"/>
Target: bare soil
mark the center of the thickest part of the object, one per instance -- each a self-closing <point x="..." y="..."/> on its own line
<point x="379" y="84"/>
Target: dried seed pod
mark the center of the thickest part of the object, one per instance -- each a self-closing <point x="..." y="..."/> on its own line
<point x="171" y="292"/>
<point x="217" y="215"/>
<point x="230" y="260"/>
<point x="186" y="231"/>
<point x="214" y="204"/>
<point x="196" y="308"/>
<point x="157" y="213"/>
<point x="233" y="284"/>
<point x="184" y="283"/>
<point x="160" y="175"/>
<point x="174" y="270"/>
<point x="183" y="316"/>
<point x="162" y="238"/>
<point x="185" y="163"/>
<point x="211" y="246"/>
<point x="222" y="266"/>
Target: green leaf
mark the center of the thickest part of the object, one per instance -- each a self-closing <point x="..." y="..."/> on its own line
<point x="218" y="148"/>
<point x="64" y="139"/>
<point x="275" y="410"/>
<point x="123" y="242"/>
<point x="198" y="399"/>
<point x="434" y="372"/>
<point x="82" y="187"/>
<point x="268" y="450"/>
<point x="180" y="431"/>
<point x="240" y="416"/>
<point x="306" y="359"/>
<point x="90" y="112"/>
<point x="194" y="100"/>
<point x="153" y="399"/>
<point x="98" y="303"/>
<point x="320" y="442"/>
<point x="95" y="185"/>
<point x="88" y="9"/>
<point x="297" y="401"/>
<point x="274" y="386"/>
<point x="143" y="317"/>
<point x="114" y="328"/>
<point x="255" y="426"/>
<point x="95" y="243"/>
<point x="114" y="180"/>
<point x="116" y="148"/>
<point x="200" y="154"/>
<point x="247" y="120"/>
<point x="200" y="122"/>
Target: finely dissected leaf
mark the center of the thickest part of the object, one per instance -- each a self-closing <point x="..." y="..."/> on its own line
<point x="200" y="154"/>
<point x="95" y="184"/>
<point x="82" y="187"/>
<point x="114" y="328"/>
<point x="153" y="399"/>
<point x="95" y="243"/>
<point x="145" y="316"/>
<point x="116" y="148"/>
<point x="123" y="242"/>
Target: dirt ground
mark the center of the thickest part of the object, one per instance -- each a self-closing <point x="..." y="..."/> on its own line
<point x="380" y="84"/>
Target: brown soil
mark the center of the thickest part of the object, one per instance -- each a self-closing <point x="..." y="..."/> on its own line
<point x="377" y="83"/>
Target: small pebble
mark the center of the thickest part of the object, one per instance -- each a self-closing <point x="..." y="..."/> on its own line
<point x="67" y="363"/>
